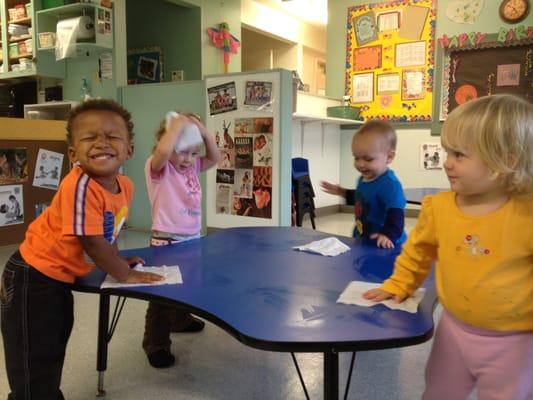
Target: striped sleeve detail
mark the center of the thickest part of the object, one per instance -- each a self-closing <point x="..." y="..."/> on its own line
<point x="80" y="195"/>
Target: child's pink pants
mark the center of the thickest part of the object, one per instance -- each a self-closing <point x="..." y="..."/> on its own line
<point x="499" y="365"/>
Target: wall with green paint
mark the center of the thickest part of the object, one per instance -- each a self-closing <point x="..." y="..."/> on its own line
<point x="212" y="14"/>
<point x="173" y="28"/>
<point x="148" y="105"/>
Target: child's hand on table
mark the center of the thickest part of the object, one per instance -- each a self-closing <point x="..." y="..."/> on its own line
<point x="142" y="277"/>
<point x="380" y="295"/>
<point x="382" y="241"/>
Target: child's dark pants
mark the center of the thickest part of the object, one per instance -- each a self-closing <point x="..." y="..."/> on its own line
<point x="36" y="321"/>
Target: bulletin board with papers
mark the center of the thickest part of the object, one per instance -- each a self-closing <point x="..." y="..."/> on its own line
<point x="390" y="59"/>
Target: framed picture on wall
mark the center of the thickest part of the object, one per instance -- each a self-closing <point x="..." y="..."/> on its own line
<point x="413" y="84"/>
<point x="365" y="28"/>
<point x="145" y="65"/>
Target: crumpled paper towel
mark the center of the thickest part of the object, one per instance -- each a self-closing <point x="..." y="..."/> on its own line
<point x="327" y="247"/>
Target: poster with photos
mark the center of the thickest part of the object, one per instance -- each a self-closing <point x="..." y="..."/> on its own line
<point x="222" y="98"/>
<point x="431" y="156"/>
<point x="48" y="169"/>
<point x="245" y="166"/>
<point x="11" y="205"/>
<point x="223" y="199"/>
<point x="258" y="95"/>
<point x="13" y="165"/>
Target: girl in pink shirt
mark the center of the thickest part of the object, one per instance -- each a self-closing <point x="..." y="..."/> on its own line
<point x="175" y="195"/>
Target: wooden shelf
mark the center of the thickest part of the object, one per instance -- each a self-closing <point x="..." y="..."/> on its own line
<point x="21" y="56"/>
<point x="19" y="39"/>
<point x="70" y="10"/>
<point x="81" y="47"/>
<point x="22" y="21"/>
<point x="17" y="74"/>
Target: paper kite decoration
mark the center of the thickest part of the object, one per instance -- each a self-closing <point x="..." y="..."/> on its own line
<point x="224" y="40"/>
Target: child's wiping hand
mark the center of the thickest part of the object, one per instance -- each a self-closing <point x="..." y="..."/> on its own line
<point x="380" y="295"/>
<point x="138" y="276"/>
<point x="382" y="241"/>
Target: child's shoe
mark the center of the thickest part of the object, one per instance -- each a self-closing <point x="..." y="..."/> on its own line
<point x="161" y="359"/>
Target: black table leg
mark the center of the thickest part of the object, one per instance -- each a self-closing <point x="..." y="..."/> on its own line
<point x="103" y="340"/>
<point x="331" y="376"/>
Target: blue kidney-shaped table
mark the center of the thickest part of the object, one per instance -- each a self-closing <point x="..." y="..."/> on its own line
<point x="254" y="285"/>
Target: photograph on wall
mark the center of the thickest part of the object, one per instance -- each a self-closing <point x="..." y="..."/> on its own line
<point x="48" y="169"/>
<point x="222" y="98"/>
<point x="13" y="166"/>
<point x="225" y="176"/>
<point x="244" y="126"/>
<point x="260" y="206"/>
<point x="223" y="137"/>
<point x="227" y="158"/>
<point x="365" y="28"/>
<point x="363" y="88"/>
<point x="413" y="85"/>
<point x="244" y="152"/>
<point x="11" y="205"/>
<point x="223" y="199"/>
<point x="263" y="176"/>
<point x="367" y="58"/>
<point x="508" y="75"/>
<point x="258" y="95"/>
<point x="144" y="65"/>
<point x="243" y="183"/>
<point x="263" y="150"/>
<point x="431" y="156"/>
<point x="263" y="125"/>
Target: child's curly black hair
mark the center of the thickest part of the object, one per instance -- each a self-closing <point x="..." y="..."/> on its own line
<point x="103" y="105"/>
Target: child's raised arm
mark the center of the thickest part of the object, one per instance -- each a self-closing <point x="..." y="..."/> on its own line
<point x="212" y="154"/>
<point x="166" y="145"/>
<point x="106" y="258"/>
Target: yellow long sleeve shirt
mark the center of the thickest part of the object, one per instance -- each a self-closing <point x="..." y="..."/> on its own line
<point x="484" y="264"/>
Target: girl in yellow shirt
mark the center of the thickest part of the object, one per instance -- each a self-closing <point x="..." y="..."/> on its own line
<point x="481" y="236"/>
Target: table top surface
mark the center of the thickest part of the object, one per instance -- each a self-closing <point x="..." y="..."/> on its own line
<point x="416" y="195"/>
<point x="251" y="282"/>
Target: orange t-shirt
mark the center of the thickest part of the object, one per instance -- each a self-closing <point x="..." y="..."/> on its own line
<point x="81" y="207"/>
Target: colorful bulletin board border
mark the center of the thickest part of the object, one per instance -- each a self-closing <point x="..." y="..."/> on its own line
<point x="390" y="59"/>
<point x="505" y="38"/>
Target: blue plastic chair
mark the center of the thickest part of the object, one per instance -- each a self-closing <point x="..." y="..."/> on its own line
<point x="300" y="167"/>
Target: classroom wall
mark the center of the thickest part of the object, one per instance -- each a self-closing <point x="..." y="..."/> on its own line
<point x="409" y="140"/>
<point x="174" y="28"/>
<point x="148" y="104"/>
<point x="212" y="14"/>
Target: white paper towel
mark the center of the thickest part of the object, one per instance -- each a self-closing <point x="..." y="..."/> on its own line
<point x="190" y="135"/>
<point x="68" y="31"/>
<point x="353" y="294"/>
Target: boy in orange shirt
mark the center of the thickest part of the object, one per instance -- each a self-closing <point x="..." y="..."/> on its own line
<point x="84" y="219"/>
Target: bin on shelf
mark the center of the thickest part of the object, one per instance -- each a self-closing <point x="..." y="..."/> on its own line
<point x="13" y="50"/>
<point x="17" y="12"/>
<point x="346" y="112"/>
<point x="29" y="46"/>
<point x="47" y="39"/>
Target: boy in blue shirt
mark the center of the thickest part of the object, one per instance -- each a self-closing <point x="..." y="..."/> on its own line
<point x="378" y="199"/>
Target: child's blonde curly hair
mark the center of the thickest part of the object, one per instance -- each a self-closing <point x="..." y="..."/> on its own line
<point x="499" y="129"/>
